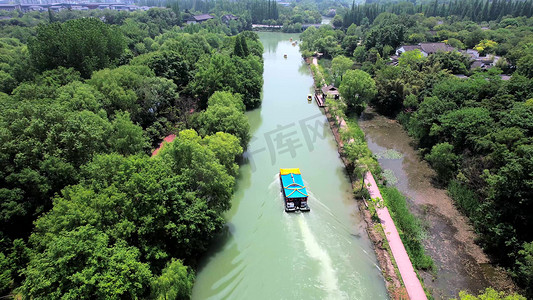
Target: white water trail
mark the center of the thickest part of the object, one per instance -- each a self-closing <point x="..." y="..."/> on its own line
<point x="328" y="276"/>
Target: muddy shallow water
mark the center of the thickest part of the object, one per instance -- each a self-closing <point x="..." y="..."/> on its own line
<point x="461" y="264"/>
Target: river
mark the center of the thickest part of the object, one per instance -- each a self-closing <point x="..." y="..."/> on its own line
<point x="266" y="253"/>
<point x="461" y="264"/>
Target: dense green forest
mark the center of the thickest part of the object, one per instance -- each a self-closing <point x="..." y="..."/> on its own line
<point x="475" y="129"/>
<point x="85" y="211"/>
<point x="269" y="12"/>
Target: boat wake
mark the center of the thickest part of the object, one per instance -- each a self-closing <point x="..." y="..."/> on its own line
<point x="328" y="276"/>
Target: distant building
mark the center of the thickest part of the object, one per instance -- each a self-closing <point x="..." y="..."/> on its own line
<point x="426" y="48"/>
<point x="199" y="18"/>
<point x="9" y="7"/>
<point x="43" y="6"/>
<point x="228" y="17"/>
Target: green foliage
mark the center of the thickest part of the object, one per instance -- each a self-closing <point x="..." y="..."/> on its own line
<point x="204" y="174"/>
<point x="524" y="66"/>
<point x="357" y="89"/>
<point x="85" y="44"/>
<point x="391" y="89"/>
<point x="490" y="294"/>
<point x="84" y="263"/>
<point x="167" y="64"/>
<point x="524" y="267"/>
<point x="465" y="199"/>
<point x="411" y="58"/>
<point x="453" y="61"/>
<point x="5" y="274"/>
<point x="339" y="65"/>
<point x="443" y="160"/>
<point x="135" y="89"/>
<point x="409" y="228"/>
<point x="323" y="40"/>
<point x="233" y="74"/>
<point x="174" y="283"/>
<point x="225" y="114"/>
<point x="359" y="54"/>
<point x="105" y="222"/>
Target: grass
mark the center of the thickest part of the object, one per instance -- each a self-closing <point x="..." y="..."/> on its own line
<point x="464" y="198"/>
<point x="409" y="228"/>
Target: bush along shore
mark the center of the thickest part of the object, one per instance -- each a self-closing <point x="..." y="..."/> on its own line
<point x="358" y="160"/>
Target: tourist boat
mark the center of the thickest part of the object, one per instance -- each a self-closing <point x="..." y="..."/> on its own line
<point x="284" y="55"/>
<point x="309" y="97"/>
<point x="294" y="190"/>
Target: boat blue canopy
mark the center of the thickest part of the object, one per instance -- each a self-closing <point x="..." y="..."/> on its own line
<point x="293" y="184"/>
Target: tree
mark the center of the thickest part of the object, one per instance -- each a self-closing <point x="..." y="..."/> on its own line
<point x="85" y="44"/>
<point x="463" y="127"/>
<point x="357" y="88"/>
<point x="359" y="54"/>
<point x="453" y="61"/>
<point x="443" y="160"/>
<point x="524" y="267"/>
<point x="234" y="74"/>
<point x="485" y="46"/>
<point x="339" y="65"/>
<point x="391" y="87"/>
<point x="226" y="148"/>
<point x="85" y="264"/>
<point x="218" y="118"/>
<point x="168" y="64"/>
<point x="175" y="282"/>
<point x="203" y="173"/>
<point x="5" y="274"/>
<point x="410" y="58"/>
<point x="524" y="66"/>
<point x="126" y="137"/>
<point x="226" y="99"/>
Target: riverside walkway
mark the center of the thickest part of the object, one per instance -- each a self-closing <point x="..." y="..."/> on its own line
<point x="410" y="280"/>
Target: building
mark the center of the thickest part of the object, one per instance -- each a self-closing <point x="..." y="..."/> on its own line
<point x="330" y="90"/>
<point x="123" y="6"/>
<point x="426" y="48"/>
<point x="199" y="18"/>
<point x="9" y="7"/>
<point x="229" y="17"/>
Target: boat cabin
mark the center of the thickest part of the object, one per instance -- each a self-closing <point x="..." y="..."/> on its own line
<point x="294" y="190"/>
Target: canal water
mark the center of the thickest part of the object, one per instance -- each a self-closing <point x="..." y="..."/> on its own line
<point x="461" y="264"/>
<point x="266" y="253"/>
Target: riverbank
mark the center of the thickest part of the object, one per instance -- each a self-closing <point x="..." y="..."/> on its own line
<point x="375" y="232"/>
<point x="460" y="263"/>
<point x="402" y="281"/>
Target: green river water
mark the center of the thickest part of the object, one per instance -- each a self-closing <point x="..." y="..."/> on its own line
<point x="266" y="253"/>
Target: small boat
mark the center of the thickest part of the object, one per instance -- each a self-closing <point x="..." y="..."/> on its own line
<point x="309" y="97"/>
<point x="284" y="55"/>
<point x="294" y="190"/>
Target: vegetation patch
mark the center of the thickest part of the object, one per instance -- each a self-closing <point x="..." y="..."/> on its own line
<point x="409" y="228"/>
<point x="389" y="154"/>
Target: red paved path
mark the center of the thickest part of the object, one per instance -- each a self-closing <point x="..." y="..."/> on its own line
<point x="168" y="139"/>
<point x="412" y="284"/>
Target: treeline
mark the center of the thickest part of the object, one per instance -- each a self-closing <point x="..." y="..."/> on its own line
<point x="254" y="11"/>
<point x="85" y="211"/>
<point x="475" y="10"/>
<point x="474" y="130"/>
